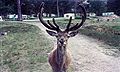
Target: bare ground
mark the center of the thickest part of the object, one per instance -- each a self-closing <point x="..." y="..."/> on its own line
<point x="89" y="55"/>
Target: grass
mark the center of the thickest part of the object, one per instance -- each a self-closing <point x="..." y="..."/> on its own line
<point x="116" y="28"/>
<point x="118" y="20"/>
<point x="107" y="36"/>
<point x="24" y="48"/>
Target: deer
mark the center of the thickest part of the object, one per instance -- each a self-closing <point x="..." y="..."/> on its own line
<point x="60" y="58"/>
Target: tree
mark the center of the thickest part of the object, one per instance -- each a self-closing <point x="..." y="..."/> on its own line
<point x="19" y="10"/>
<point x="114" y="5"/>
<point x="58" y="8"/>
<point x="32" y="7"/>
<point x="97" y="7"/>
<point x="66" y="7"/>
<point x="6" y="7"/>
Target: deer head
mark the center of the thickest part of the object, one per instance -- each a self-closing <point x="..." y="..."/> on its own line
<point x="62" y="35"/>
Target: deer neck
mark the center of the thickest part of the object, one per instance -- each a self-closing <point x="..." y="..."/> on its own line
<point x="61" y="48"/>
<point x="60" y="53"/>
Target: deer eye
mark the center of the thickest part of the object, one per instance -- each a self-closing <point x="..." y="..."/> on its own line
<point x="57" y="36"/>
<point x="68" y="35"/>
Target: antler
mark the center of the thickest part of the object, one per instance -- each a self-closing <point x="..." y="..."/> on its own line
<point x="75" y="27"/>
<point x="56" y="27"/>
<point x="48" y="24"/>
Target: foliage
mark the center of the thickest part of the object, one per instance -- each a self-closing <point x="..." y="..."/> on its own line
<point x="32" y="6"/>
<point x="6" y="7"/>
<point x="114" y="5"/>
<point x="97" y="7"/>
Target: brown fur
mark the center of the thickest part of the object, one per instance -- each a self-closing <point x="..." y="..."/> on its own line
<point x="64" y="65"/>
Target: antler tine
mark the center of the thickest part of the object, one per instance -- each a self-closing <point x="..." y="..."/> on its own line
<point x="67" y="28"/>
<point x="57" y="27"/>
<point x="75" y="27"/>
<point x="40" y="16"/>
<point x="50" y="26"/>
<point x="50" y="23"/>
<point x="55" y="23"/>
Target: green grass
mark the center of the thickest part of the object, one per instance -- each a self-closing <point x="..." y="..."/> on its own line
<point x="116" y="28"/>
<point x="118" y="20"/>
<point x="24" y="48"/>
<point x="107" y="36"/>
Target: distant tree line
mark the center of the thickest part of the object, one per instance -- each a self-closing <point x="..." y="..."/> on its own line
<point x="97" y="7"/>
<point x="114" y="5"/>
<point x="32" y="6"/>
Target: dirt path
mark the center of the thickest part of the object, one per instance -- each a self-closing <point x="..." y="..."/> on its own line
<point x="88" y="54"/>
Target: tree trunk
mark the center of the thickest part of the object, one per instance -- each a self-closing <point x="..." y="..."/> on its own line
<point x="58" y="9"/>
<point x="50" y="12"/>
<point x="19" y="10"/>
<point x="75" y="7"/>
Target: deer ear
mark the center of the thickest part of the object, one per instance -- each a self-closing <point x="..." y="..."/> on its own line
<point x="51" y="33"/>
<point x="74" y="33"/>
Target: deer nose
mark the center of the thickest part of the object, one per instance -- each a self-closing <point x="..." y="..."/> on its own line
<point x="62" y="41"/>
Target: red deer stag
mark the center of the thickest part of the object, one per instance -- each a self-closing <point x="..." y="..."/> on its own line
<point x="59" y="58"/>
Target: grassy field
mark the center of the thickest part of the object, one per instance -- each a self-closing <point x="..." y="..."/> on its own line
<point x="23" y="49"/>
<point x="108" y="35"/>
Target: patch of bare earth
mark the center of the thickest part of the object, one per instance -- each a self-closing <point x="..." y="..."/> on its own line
<point x="89" y="55"/>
